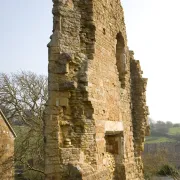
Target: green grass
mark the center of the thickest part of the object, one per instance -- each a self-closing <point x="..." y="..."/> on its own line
<point x="21" y="129"/>
<point x="174" y="131"/>
<point x="158" y="139"/>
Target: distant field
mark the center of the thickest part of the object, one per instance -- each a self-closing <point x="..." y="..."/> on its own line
<point x="171" y="136"/>
<point x="158" y="139"/>
<point x="174" y="131"/>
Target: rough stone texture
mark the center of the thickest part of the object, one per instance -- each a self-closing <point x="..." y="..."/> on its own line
<point x="7" y="137"/>
<point x="94" y="85"/>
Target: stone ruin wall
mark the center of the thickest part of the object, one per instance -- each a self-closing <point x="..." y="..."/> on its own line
<point x="96" y="114"/>
<point x="6" y="150"/>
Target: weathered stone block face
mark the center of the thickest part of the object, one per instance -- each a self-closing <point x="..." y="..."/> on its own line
<point x="6" y="150"/>
<point x="93" y="112"/>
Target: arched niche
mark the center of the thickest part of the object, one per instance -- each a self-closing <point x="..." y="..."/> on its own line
<point x="121" y="58"/>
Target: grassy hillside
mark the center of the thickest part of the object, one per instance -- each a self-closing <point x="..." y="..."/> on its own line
<point x="158" y="139"/>
<point x="174" y="131"/>
<point x="173" y="135"/>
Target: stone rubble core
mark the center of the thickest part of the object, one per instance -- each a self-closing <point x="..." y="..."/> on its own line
<point x="96" y="114"/>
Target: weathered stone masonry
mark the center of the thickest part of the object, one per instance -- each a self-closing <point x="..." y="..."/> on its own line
<point x="96" y="114"/>
<point x="7" y="136"/>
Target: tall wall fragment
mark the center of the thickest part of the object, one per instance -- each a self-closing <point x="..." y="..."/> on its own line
<point x="89" y="123"/>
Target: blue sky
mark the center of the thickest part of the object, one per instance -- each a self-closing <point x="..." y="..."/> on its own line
<point x="25" y="29"/>
<point x="153" y="28"/>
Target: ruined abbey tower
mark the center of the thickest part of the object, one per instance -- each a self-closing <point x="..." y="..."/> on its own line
<point x="96" y="114"/>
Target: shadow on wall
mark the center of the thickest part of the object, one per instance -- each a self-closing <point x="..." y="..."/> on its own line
<point x="121" y="58"/>
<point x="73" y="173"/>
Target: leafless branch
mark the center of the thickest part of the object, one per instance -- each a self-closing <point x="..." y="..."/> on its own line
<point x="22" y="98"/>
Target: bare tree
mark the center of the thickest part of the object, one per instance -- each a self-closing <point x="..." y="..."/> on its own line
<point x="154" y="161"/>
<point x="157" y="163"/>
<point x="23" y="96"/>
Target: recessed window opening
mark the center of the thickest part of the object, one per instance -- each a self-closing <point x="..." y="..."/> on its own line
<point x="121" y="58"/>
<point x="104" y="31"/>
<point x="112" y="144"/>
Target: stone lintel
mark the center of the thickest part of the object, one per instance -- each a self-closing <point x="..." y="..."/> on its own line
<point x="114" y="127"/>
<point x="113" y="132"/>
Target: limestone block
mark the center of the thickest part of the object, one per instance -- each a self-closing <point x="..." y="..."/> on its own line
<point x="69" y="4"/>
<point x="67" y="86"/>
<point x="53" y="57"/>
<point x="54" y="40"/>
<point x="62" y="69"/>
<point x="111" y="126"/>
<point x="62" y="101"/>
<point x="53" y="86"/>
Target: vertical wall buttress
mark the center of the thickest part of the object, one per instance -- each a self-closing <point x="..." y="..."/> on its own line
<point x="139" y="108"/>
